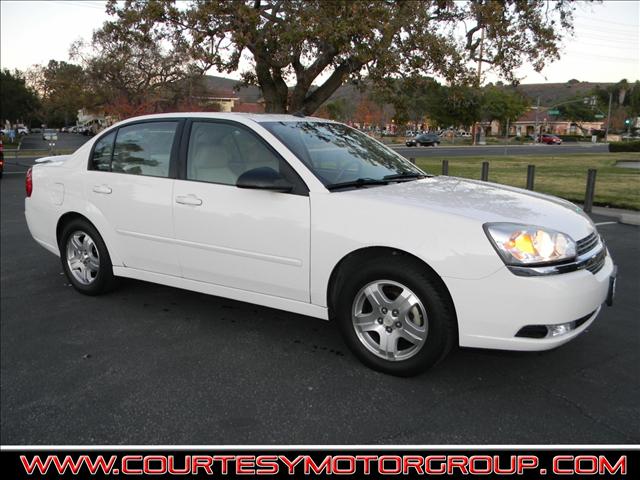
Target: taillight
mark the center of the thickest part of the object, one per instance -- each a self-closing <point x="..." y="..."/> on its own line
<point x="28" y="183"/>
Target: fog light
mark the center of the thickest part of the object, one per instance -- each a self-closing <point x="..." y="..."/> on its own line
<point x="555" y="330"/>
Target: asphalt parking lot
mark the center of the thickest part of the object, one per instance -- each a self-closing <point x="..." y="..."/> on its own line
<point x="149" y="364"/>
<point x="66" y="141"/>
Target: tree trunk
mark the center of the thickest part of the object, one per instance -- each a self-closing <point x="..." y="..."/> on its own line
<point x="315" y="99"/>
<point x="275" y="97"/>
<point x="274" y="104"/>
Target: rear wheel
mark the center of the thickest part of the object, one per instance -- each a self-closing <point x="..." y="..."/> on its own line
<point x="85" y="259"/>
<point x="395" y="316"/>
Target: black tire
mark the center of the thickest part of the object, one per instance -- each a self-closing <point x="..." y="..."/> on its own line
<point x="442" y="324"/>
<point x="104" y="281"/>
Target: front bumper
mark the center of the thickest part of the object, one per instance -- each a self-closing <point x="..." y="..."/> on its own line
<point x="492" y="310"/>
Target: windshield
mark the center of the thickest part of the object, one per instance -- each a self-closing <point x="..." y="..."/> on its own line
<point x="339" y="154"/>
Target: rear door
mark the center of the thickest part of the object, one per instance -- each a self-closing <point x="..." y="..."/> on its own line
<point x="130" y="183"/>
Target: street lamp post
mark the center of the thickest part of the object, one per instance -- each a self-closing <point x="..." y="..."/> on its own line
<point x="535" y="133"/>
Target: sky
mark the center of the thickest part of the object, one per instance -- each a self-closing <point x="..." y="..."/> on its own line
<point x="605" y="48"/>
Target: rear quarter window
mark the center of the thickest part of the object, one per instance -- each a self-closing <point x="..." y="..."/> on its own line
<point x="101" y="158"/>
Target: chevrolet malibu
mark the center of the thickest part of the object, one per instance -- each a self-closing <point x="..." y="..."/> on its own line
<point x="313" y="217"/>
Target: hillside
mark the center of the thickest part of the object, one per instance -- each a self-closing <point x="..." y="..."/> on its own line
<point x="225" y="87"/>
<point x="553" y="93"/>
<point x="550" y="93"/>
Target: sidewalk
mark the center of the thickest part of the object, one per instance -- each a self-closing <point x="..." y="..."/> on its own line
<point x="510" y="145"/>
<point x="628" y="217"/>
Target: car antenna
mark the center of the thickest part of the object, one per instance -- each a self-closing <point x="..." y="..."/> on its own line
<point x="299" y="113"/>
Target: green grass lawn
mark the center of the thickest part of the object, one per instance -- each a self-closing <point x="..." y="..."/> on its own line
<point x="561" y="175"/>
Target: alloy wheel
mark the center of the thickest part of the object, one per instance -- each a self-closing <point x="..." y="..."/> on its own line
<point x="389" y="320"/>
<point x="83" y="258"/>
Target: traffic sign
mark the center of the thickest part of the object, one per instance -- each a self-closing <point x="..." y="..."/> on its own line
<point x="599" y="115"/>
<point x="554" y="112"/>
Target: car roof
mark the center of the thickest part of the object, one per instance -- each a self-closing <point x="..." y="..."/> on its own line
<point x="257" y="117"/>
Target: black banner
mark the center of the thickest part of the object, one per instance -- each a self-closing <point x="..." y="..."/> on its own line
<point x="526" y="463"/>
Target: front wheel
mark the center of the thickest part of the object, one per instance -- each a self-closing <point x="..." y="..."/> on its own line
<point x="85" y="259"/>
<point x="396" y="316"/>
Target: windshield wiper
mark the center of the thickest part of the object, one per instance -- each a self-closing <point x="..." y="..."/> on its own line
<point x="402" y="176"/>
<point x="358" y="183"/>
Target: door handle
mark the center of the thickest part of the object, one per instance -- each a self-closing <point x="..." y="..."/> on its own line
<point x="104" y="189"/>
<point x="189" y="200"/>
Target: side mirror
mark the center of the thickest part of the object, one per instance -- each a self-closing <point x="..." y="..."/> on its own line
<point x="264" y="178"/>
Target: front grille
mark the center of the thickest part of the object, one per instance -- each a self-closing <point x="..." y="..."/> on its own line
<point x="596" y="262"/>
<point x="587" y="243"/>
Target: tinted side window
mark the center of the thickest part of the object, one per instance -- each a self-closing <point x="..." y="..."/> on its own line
<point x="101" y="159"/>
<point x="144" y="149"/>
<point x="220" y="153"/>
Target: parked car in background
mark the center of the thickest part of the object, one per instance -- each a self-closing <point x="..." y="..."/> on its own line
<point x="50" y="135"/>
<point x="423" y="140"/>
<point x="549" y="139"/>
<point x="23" y="131"/>
<point x="293" y="208"/>
<point x="1" y="158"/>
<point x="630" y="136"/>
<point x="410" y="140"/>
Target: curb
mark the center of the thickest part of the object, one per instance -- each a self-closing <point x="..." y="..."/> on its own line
<point x="626" y="217"/>
<point x="630" y="219"/>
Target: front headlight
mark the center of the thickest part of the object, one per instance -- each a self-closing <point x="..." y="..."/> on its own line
<point x="529" y="245"/>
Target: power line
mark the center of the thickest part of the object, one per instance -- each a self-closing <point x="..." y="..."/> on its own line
<point x="621" y="36"/>
<point x="604" y="57"/>
<point x="600" y="21"/>
<point x="603" y="43"/>
<point x="612" y="47"/>
<point x="69" y="3"/>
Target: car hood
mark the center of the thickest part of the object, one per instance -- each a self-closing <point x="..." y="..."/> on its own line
<point x="484" y="202"/>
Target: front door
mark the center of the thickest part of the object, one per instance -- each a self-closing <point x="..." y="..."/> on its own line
<point x="252" y="240"/>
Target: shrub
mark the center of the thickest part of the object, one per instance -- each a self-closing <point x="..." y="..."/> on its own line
<point x="625" y="146"/>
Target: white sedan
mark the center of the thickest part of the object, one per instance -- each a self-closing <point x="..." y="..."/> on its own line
<point x="313" y="217"/>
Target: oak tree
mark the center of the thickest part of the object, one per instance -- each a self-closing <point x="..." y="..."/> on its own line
<point x="18" y="102"/>
<point x="61" y="87"/>
<point x="502" y="104"/>
<point x="301" y="51"/>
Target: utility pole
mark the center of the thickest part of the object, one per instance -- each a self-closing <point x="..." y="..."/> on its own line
<point x="606" y="132"/>
<point x="479" y="79"/>
<point x="535" y="133"/>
